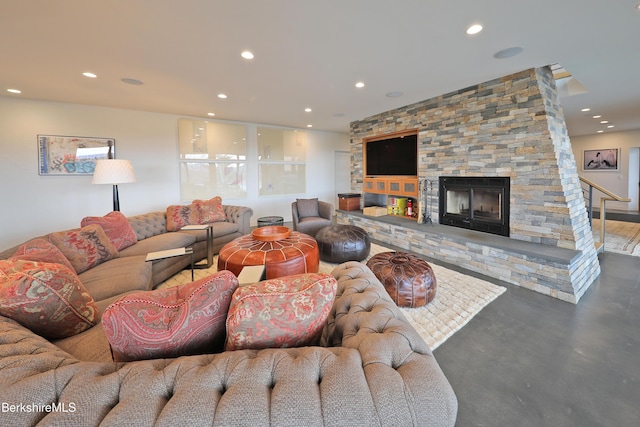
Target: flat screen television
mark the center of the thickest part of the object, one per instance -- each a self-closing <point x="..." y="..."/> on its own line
<point x="397" y="155"/>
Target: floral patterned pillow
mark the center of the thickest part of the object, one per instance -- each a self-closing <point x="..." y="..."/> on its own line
<point x="178" y="216"/>
<point x="285" y="312"/>
<point x="117" y="228"/>
<point x="43" y="251"/>
<point x="84" y="247"/>
<point x="210" y="210"/>
<point x="47" y="298"/>
<point x="170" y="322"/>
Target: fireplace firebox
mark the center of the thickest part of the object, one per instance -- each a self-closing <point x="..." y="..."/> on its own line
<point x="476" y="203"/>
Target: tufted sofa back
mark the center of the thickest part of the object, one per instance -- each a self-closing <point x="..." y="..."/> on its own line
<point x="373" y="370"/>
<point x="149" y="224"/>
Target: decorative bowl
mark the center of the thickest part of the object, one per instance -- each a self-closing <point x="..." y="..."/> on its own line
<point x="271" y="233"/>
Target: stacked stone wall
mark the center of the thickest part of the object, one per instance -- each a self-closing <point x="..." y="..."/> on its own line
<point x="512" y="126"/>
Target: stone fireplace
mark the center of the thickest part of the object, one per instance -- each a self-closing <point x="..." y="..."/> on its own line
<point x="511" y="127"/>
<point x="476" y="203"/>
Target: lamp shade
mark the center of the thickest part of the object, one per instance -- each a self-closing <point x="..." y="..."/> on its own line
<point x="113" y="171"/>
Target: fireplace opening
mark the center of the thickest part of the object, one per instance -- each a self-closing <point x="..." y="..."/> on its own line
<point x="476" y="203"/>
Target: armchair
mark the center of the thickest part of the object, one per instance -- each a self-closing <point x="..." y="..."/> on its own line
<point x="311" y="215"/>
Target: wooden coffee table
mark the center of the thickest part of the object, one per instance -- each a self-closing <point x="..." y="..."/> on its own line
<point x="283" y="252"/>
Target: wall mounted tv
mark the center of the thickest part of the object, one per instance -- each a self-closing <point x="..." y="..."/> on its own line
<point x="395" y="155"/>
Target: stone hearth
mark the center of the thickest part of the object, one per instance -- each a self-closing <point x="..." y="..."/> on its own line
<point x="512" y="127"/>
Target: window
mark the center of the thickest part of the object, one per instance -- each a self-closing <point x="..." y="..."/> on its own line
<point x="282" y="159"/>
<point x="212" y="159"/>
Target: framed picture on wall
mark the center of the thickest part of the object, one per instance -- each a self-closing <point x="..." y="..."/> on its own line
<point x="606" y="159"/>
<point x="72" y="155"/>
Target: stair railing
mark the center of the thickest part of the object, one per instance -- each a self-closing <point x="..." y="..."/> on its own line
<point x="603" y="207"/>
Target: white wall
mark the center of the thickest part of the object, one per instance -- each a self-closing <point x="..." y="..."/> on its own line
<point x="623" y="182"/>
<point x="33" y="205"/>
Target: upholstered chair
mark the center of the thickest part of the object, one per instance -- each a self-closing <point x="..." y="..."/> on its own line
<point x="311" y="215"/>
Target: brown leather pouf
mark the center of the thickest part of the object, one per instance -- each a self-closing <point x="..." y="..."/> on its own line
<point x="409" y="280"/>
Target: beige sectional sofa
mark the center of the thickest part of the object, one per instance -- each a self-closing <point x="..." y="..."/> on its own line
<point x="371" y="367"/>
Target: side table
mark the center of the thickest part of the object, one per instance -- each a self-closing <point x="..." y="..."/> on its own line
<point x="209" y="228"/>
<point x="170" y="253"/>
<point x="270" y="220"/>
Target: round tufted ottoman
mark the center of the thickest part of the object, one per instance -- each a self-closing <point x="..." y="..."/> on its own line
<point x="409" y="280"/>
<point x="341" y="243"/>
<point x="295" y="254"/>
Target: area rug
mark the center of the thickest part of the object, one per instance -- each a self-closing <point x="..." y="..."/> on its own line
<point x="458" y="299"/>
<point x="621" y="237"/>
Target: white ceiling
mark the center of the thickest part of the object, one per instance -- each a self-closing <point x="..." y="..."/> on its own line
<point x="311" y="54"/>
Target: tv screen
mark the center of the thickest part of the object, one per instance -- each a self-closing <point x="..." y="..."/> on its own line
<point x="392" y="156"/>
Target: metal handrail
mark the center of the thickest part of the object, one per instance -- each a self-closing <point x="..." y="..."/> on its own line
<point x="603" y="206"/>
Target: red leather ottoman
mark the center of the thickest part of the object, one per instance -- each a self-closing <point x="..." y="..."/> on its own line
<point x="295" y="254"/>
<point x="409" y="280"/>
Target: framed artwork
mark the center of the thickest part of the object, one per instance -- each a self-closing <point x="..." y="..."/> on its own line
<point x="72" y="155"/>
<point x="606" y="159"/>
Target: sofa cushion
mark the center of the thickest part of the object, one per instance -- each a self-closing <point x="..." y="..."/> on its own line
<point x="116" y="227"/>
<point x="117" y="276"/>
<point x="47" y="298"/>
<point x="284" y="312"/>
<point x="307" y="207"/>
<point x="43" y="251"/>
<point x="210" y="210"/>
<point x="84" y="247"/>
<point x="180" y="215"/>
<point x="170" y="322"/>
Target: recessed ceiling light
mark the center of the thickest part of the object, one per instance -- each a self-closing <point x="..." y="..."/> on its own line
<point x="90" y="75"/>
<point x="508" y="52"/>
<point x="14" y="90"/>
<point x="309" y="126"/>
<point x="222" y="96"/>
<point x="604" y="122"/>
<point x="584" y="110"/>
<point x="308" y="110"/>
<point x="597" y="116"/>
<point x="474" y="29"/>
<point x="394" y="94"/>
<point x="600" y="131"/>
<point x="610" y="126"/>
<point x="129" y="81"/>
<point x="359" y="84"/>
<point x="211" y="114"/>
<point x="247" y="55"/>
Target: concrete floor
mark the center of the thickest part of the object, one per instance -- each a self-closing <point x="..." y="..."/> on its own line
<point x="531" y="360"/>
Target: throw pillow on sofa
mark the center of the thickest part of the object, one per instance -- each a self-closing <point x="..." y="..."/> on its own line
<point x="180" y="215"/>
<point x="84" y="247"/>
<point x="210" y="210"/>
<point x="284" y="312"/>
<point x="42" y="251"/>
<point x="170" y="322"/>
<point x="47" y="298"/>
<point x="116" y="227"/>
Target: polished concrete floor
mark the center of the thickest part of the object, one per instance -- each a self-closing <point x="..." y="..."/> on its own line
<point x="531" y="360"/>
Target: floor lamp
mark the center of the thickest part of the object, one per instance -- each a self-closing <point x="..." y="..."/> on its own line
<point x="114" y="172"/>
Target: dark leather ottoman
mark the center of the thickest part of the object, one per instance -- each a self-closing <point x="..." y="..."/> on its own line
<point x="409" y="280"/>
<point x="341" y="243"/>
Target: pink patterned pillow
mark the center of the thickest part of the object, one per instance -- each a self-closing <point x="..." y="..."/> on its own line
<point x="84" y="247"/>
<point x="285" y="312"/>
<point x="117" y="228"/>
<point x="170" y="322"/>
<point x="47" y="298"/>
<point x="210" y="210"/>
<point x="179" y="216"/>
<point x="42" y="251"/>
